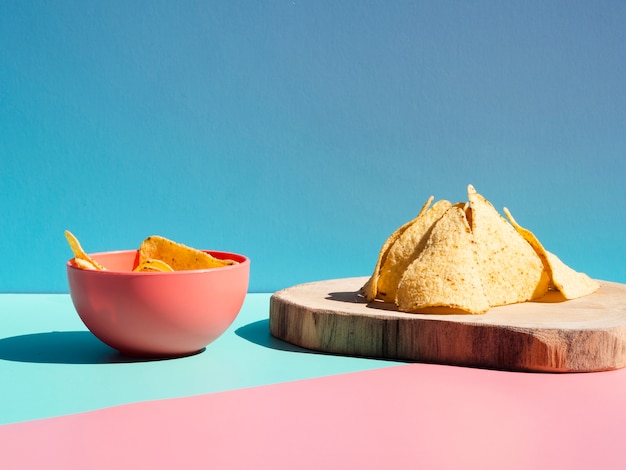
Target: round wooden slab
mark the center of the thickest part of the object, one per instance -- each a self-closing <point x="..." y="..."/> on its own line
<point x="551" y="335"/>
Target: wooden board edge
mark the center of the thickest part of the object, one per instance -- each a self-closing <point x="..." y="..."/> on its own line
<point x="432" y="341"/>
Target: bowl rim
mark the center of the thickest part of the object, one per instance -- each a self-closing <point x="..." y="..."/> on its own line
<point x="246" y="261"/>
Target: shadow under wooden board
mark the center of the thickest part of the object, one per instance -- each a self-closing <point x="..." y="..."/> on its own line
<point x="551" y="335"/>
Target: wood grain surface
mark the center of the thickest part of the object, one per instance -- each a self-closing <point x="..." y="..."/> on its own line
<point x="551" y="335"/>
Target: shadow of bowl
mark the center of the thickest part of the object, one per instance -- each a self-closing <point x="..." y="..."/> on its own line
<point x="61" y="347"/>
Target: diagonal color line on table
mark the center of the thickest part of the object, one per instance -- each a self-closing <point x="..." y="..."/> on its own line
<point x="50" y="365"/>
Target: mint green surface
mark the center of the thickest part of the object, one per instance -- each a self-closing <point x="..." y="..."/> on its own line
<point x="50" y="365"/>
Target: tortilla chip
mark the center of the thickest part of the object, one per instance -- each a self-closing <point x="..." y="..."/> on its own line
<point x="81" y="259"/>
<point x="570" y="283"/>
<point x="445" y="273"/>
<point x="84" y="264"/>
<point x="406" y="249"/>
<point x="370" y="289"/>
<point x="510" y="269"/>
<point x="153" y="265"/>
<point x="180" y="257"/>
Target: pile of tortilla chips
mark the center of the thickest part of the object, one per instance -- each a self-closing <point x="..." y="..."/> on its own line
<point x="466" y="258"/>
<point x="156" y="254"/>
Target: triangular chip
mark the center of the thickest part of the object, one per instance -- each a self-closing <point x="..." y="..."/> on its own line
<point x="370" y="289"/>
<point x="153" y="265"/>
<point x="84" y="264"/>
<point x="446" y="273"/>
<point x="180" y="257"/>
<point x="82" y="259"/>
<point x="570" y="283"/>
<point x="406" y="248"/>
<point x="511" y="271"/>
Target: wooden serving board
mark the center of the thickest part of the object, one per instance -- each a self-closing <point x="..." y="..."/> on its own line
<point x="551" y="335"/>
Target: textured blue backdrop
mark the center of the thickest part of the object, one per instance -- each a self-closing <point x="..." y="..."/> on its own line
<point x="302" y="133"/>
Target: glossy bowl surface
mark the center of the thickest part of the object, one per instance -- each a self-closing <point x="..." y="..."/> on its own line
<point x="158" y="314"/>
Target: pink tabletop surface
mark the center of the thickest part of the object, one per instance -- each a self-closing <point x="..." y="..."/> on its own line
<point x="408" y="416"/>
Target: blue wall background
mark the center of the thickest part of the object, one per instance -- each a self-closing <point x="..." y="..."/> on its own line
<point x="302" y="133"/>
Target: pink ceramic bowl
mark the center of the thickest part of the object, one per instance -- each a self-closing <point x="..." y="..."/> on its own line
<point x="158" y="314"/>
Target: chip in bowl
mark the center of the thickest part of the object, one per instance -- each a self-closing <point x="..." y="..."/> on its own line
<point x="155" y="254"/>
<point x="81" y="259"/>
<point x="178" y="256"/>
